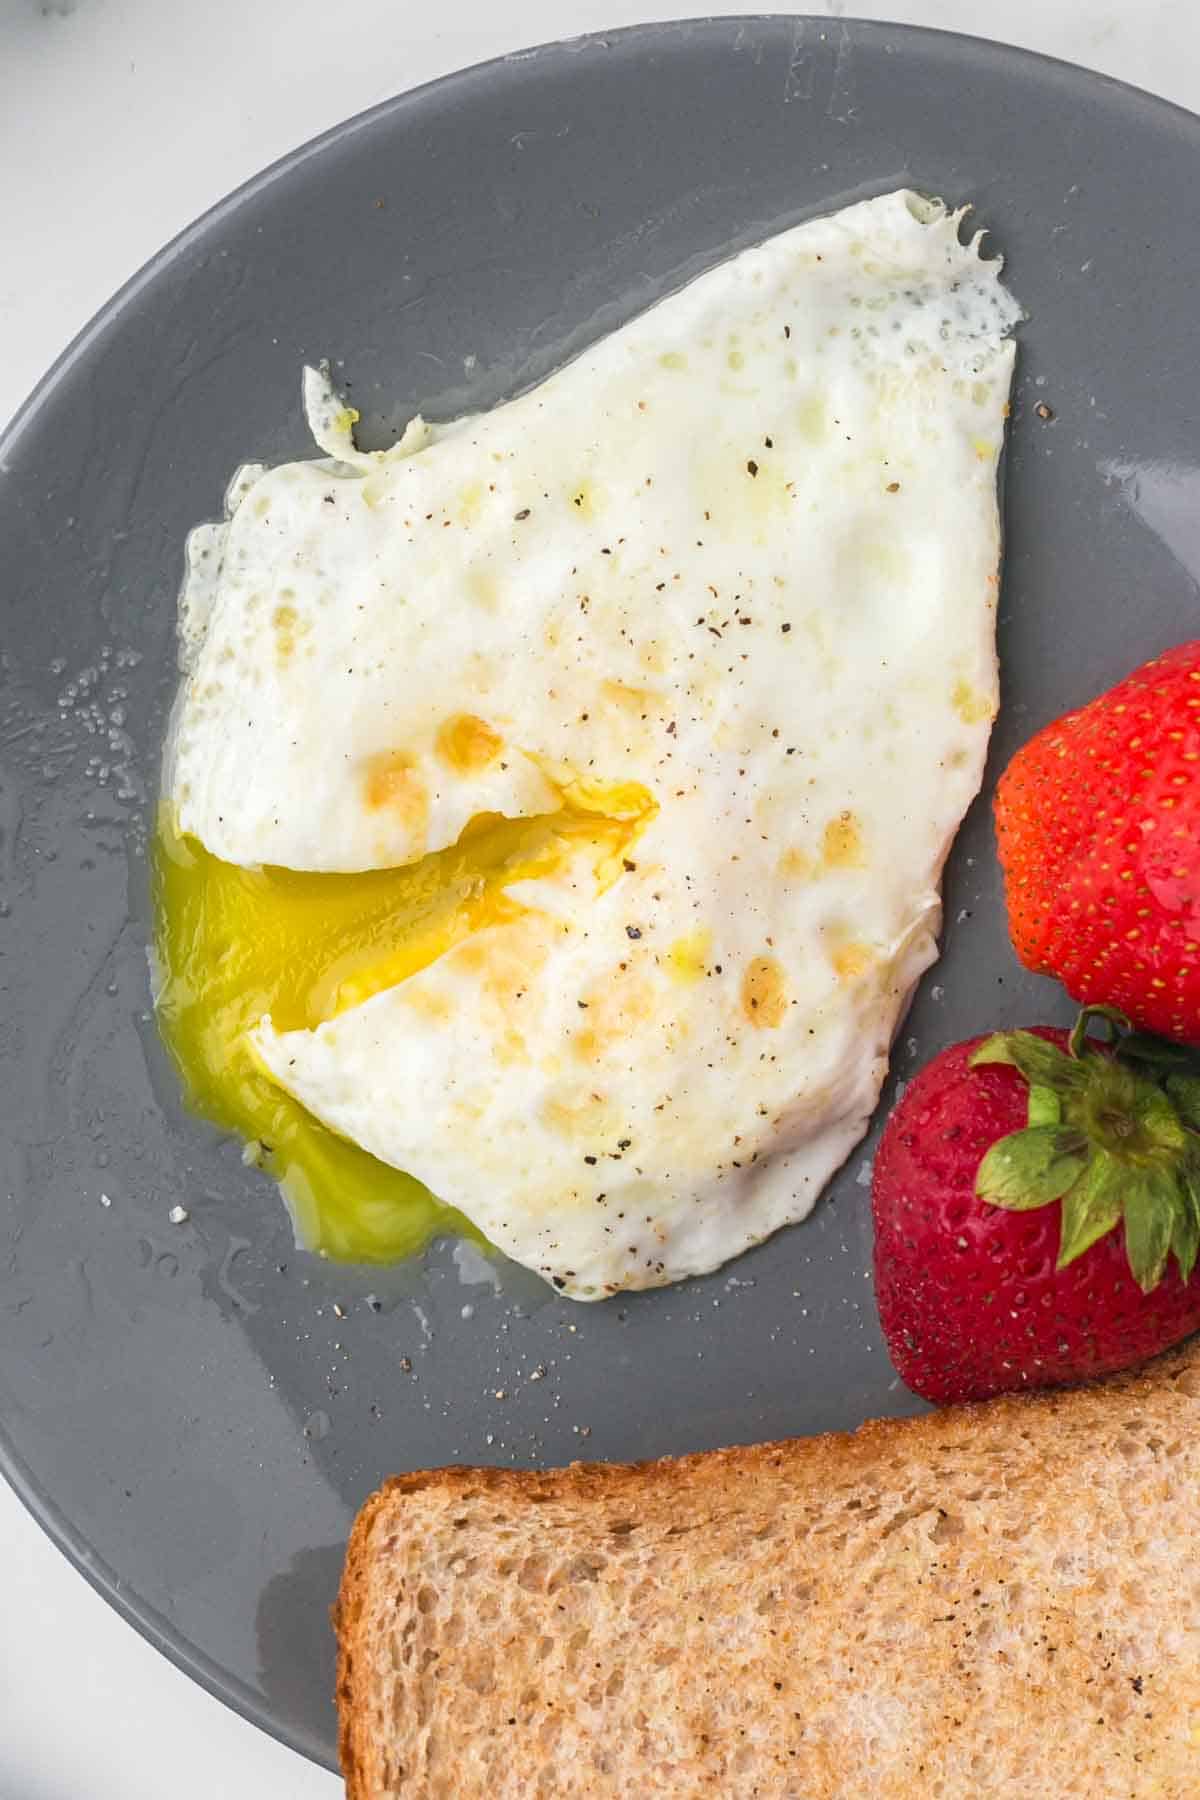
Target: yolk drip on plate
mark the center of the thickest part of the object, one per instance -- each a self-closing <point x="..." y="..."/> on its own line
<point x="235" y="943"/>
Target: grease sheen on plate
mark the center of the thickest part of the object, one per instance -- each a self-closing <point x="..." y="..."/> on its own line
<point x="616" y="169"/>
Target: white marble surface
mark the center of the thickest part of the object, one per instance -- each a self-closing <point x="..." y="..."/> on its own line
<point x="120" y="120"/>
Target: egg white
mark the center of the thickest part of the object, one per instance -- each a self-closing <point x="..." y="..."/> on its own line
<point x="742" y="553"/>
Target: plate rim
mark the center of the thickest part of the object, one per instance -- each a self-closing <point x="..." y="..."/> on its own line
<point x="918" y="40"/>
<point x="960" y="43"/>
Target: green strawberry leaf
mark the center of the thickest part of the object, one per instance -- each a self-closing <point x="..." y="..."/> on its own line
<point x="1185" y="1092"/>
<point x="1152" y="1201"/>
<point x="1030" y="1168"/>
<point x="1045" y="1108"/>
<point x="1113" y="1133"/>
<point x="1042" y="1064"/>
<point x="1185" y="1240"/>
<point x="1091" y="1208"/>
<point x="1159" y="1118"/>
<point x="1189" y="1181"/>
<point x="1158" y="1053"/>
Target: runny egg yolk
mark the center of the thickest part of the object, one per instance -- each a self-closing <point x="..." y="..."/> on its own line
<point x="235" y="943"/>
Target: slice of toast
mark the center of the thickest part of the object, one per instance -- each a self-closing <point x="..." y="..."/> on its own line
<point x="989" y="1601"/>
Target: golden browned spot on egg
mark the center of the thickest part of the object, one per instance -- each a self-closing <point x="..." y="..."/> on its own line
<point x="852" y="960"/>
<point x="971" y="706"/>
<point x="577" y="1111"/>
<point x="842" y="844"/>
<point x="284" y="619"/>
<point x="795" y="864"/>
<point x="508" y="963"/>
<point x="510" y="1048"/>
<point x="688" y="957"/>
<point x="391" y="781"/>
<point x="614" y="1013"/>
<point x="464" y="1113"/>
<point x="587" y="1045"/>
<point x="765" y="993"/>
<point x="629" y="699"/>
<point x="481" y="586"/>
<point x="467" y="743"/>
<point x="435" y="1006"/>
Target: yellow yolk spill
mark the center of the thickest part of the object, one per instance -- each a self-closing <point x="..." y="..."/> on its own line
<point x="234" y="944"/>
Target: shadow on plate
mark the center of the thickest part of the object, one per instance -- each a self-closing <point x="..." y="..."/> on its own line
<point x="296" y="1645"/>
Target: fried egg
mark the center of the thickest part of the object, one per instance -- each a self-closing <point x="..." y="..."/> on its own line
<point x="707" y="621"/>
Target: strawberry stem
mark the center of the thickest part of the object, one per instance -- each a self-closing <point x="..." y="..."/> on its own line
<point x="1112" y="1138"/>
<point x="1110" y="1015"/>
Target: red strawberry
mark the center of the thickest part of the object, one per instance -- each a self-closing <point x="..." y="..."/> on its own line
<point x="998" y="1187"/>
<point x="1098" y="823"/>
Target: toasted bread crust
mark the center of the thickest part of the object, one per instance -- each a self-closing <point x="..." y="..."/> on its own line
<point x="346" y="1617"/>
<point x="1066" y="1461"/>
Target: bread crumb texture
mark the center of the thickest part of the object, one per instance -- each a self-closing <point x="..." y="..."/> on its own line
<point x="992" y="1600"/>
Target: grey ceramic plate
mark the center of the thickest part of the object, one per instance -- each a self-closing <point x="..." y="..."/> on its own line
<point x="185" y="1407"/>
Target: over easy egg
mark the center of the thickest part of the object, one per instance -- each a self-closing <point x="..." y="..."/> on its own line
<point x="712" y="610"/>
